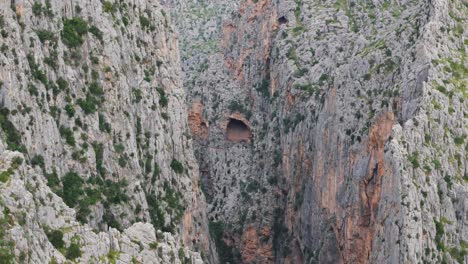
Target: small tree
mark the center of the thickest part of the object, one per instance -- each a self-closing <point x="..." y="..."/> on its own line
<point x="177" y="166"/>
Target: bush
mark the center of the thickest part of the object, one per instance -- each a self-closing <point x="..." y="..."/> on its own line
<point x="439" y="225"/>
<point x="67" y="133"/>
<point x="73" y="251"/>
<point x="224" y="251"/>
<point x="36" y="72"/>
<point x="263" y="88"/>
<point x="459" y="140"/>
<point x="104" y="126"/>
<point x="72" y="188"/>
<point x="177" y="166"/>
<point x="163" y="100"/>
<point x="37" y="8"/>
<point x="137" y="94"/>
<point x="99" y="152"/>
<point x="12" y="136"/>
<point x="108" y="7"/>
<point x="96" y="89"/>
<point x="413" y="159"/>
<point x="62" y="84"/>
<point x="115" y="191"/>
<point x="70" y="110"/>
<point x="5" y="175"/>
<point x="144" y="22"/>
<point x="89" y="104"/>
<point x="96" y="32"/>
<point x="56" y="238"/>
<point x="53" y="182"/>
<point x="155" y="211"/>
<point x="45" y="35"/>
<point x="73" y="31"/>
<point x="38" y="160"/>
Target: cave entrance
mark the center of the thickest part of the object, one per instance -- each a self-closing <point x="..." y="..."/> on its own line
<point x="238" y="131"/>
<point x="282" y="20"/>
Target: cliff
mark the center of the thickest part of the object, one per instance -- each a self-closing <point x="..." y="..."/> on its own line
<point x="253" y="131"/>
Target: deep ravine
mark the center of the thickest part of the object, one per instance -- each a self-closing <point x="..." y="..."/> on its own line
<point x="258" y="131"/>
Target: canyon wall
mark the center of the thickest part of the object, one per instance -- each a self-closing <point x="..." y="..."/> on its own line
<point x="357" y="113"/>
<point x="256" y="131"/>
<point x="92" y="103"/>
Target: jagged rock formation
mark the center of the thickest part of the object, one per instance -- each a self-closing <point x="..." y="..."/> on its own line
<point x="43" y="229"/>
<point x="324" y="131"/>
<point x="358" y="122"/>
<point x="91" y="94"/>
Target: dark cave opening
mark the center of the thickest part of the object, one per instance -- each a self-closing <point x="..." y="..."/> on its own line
<point x="238" y="131"/>
<point x="282" y="20"/>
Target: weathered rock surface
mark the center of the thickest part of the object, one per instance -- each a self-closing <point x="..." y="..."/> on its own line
<point x="31" y="212"/>
<point x="358" y="119"/>
<point x="91" y="94"/>
<point x="323" y="131"/>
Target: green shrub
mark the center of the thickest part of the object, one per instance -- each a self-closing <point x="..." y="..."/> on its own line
<point x="137" y="94"/>
<point x="89" y="104"/>
<point x="104" y="126"/>
<point x="323" y="78"/>
<point x="437" y="164"/>
<point x="96" y="89"/>
<point x="62" y="84"/>
<point x="33" y="90"/>
<point x="48" y="9"/>
<point x="119" y="148"/>
<point x="224" y="251"/>
<point x="153" y="245"/>
<point x="12" y="135"/>
<point x="291" y="54"/>
<point x="156" y="172"/>
<point x="459" y="140"/>
<point x="73" y="251"/>
<point x="163" y="100"/>
<point x="439" y="225"/>
<point x="263" y="88"/>
<point x="99" y="153"/>
<point x="458" y="254"/>
<point x="36" y="72"/>
<point x="108" y="7"/>
<point x="52" y="62"/>
<point x="73" y="31"/>
<point x="5" y="175"/>
<point x="177" y="166"/>
<point x="67" y="133"/>
<point x="70" y="110"/>
<point x="56" y="238"/>
<point x="174" y="200"/>
<point x="53" y="182"/>
<point x="7" y="247"/>
<point x="37" y="8"/>
<point x="413" y="159"/>
<point x="144" y="22"/>
<point x="72" y="188"/>
<point x="115" y="192"/>
<point x="38" y="160"/>
<point x="45" y="35"/>
<point x="155" y="211"/>
<point x="96" y="32"/>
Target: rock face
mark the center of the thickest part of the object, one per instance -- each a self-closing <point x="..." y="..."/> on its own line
<point x="323" y="131"/>
<point x="357" y="114"/>
<point x="91" y="95"/>
<point x="44" y="229"/>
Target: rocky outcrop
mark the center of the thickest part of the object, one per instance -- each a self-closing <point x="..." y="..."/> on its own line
<point x="43" y="229"/>
<point x="91" y="94"/>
